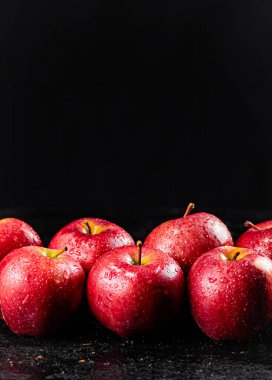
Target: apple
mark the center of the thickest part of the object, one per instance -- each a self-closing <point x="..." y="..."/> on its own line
<point x="133" y="290"/>
<point x="14" y="233"/>
<point x="258" y="237"/>
<point x="40" y="289"/>
<point x="185" y="239"/>
<point x="88" y="238"/>
<point x="230" y="292"/>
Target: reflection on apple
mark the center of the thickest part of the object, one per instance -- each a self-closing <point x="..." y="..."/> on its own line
<point x="186" y="238"/>
<point x="40" y="289"/>
<point x="230" y="292"/>
<point x="258" y="237"/>
<point x="133" y="290"/>
<point x="87" y="239"/>
<point x="15" y="233"/>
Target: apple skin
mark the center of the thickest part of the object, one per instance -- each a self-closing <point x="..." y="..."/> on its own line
<point x="132" y="299"/>
<point x="258" y="240"/>
<point x="87" y="247"/>
<point x="185" y="239"/>
<point x="231" y="299"/>
<point x="14" y="233"/>
<point x="38" y="294"/>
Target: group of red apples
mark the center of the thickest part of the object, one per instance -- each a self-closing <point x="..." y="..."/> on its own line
<point x="134" y="289"/>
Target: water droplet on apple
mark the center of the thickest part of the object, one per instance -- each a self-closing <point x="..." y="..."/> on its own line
<point x="212" y="280"/>
<point x="29" y="276"/>
<point x="25" y="299"/>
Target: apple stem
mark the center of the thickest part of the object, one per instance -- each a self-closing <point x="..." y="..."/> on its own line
<point x="236" y="255"/>
<point x="251" y="225"/>
<point x="52" y="253"/>
<point x="189" y="208"/>
<point x="88" y="228"/>
<point x="59" y="252"/>
<point x="139" y="245"/>
<point x="94" y="229"/>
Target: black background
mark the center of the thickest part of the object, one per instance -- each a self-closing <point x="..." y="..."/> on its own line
<point x="135" y="104"/>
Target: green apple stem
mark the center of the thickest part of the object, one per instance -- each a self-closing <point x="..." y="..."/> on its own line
<point x="189" y="208"/>
<point x="57" y="252"/>
<point x="249" y="224"/>
<point x="139" y="245"/>
<point x="51" y="253"/>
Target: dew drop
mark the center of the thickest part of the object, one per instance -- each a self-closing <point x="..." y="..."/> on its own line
<point x="212" y="280"/>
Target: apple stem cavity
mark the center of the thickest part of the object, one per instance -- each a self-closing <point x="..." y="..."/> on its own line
<point x="189" y="208"/>
<point x="89" y="228"/>
<point x="93" y="229"/>
<point x="139" y="245"/>
<point x="232" y="256"/>
<point x="249" y="224"/>
<point x="236" y="255"/>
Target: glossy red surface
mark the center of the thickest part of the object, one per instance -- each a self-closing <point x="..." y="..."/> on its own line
<point x="231" y="300"/>
<point x="259" y="240"/>
<point x="38" y="294"/>
<point x="14" y="233"/>
<point x="185" y="239"/>
<point x="133" y="299"/>
<point x="86" y="248"/>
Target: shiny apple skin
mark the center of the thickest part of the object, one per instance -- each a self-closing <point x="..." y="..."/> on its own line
<point x="132" y="299"/>
<point x="39" y="294"/>
<point x="231" y="300"/>
<point x="87" y="248"/>
<point x="260" y="241"/>
<point x="185" y="239"/>
<point x="15" y="233"/>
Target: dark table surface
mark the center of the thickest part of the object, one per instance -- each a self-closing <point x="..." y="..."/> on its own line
<point x="84" y="349"/>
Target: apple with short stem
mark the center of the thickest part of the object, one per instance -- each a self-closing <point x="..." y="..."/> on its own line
<point x="40" y="289"/>
<point x="258" y="237"/>
<point x="15" y="233"/>
<point x="88" y="238"/>
<point x="230" y="292"/>
<point x="135" y="290"/>
<point x="186" y="238"/>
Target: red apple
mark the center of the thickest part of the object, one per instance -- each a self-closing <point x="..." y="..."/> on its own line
<point x="258" y="237"/>
<point x="14" y="233"/>
<point x="88" y="238"/>
<point x="134" y="291"/>
<point x="40" y="289"/>
<point x="185" y="239"/>
<point x="230" y="292"/>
